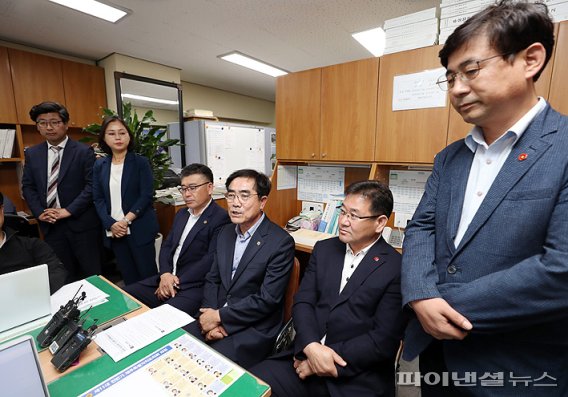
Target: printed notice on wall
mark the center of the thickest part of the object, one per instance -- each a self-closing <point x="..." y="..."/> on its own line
<point x="418" y="91"/>
<point x="320" y="184"/>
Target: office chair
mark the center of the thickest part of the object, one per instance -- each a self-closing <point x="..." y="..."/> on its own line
<point x="22" y="225"/>
<point x="288" y="333"/>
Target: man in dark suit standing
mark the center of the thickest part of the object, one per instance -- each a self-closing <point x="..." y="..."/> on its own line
<point x="242" y="308"/>
<point x="57" y="185"/>
<point x="187" y="253"/>
<point x="485" y="262"/>
<point x="347" y="311"/>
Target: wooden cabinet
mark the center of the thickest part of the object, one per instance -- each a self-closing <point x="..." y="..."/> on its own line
<point x="27" y="79"/>
<point x="408" y="136"/>
<point x="349" y="111"/>
<point x="298" y="115"/>
<point x="7" y="106"/>
<point x="558" y="97"/>
<point x="85" y="92"/>
<point x="36" y="78"/>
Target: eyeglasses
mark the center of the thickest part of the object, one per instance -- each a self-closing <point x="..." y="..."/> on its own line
<point x="243" y="197"/>
<point x="469" y="72"/>
<point x="190" y="188"/>
<point x="52" y="123"/>
<point x="353" y="217"/>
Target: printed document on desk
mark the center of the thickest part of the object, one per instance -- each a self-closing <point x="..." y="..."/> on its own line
<point x="183" y="367"/>
<point x="134" y="334"/>
<point x="94" y="296"/>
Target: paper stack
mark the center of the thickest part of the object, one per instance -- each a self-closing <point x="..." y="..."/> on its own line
<point x="453" y="13"/>
<point x="7" y="137"/>
<point x="309" y="237"/>
<point x="199" y="113"/>
<point x="407" y="32"/>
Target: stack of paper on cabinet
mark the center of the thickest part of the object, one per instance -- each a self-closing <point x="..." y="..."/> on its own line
<point x="309" y="237"/>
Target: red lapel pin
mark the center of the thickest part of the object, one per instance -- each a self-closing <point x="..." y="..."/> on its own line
<point x="376" y="258"/>
<point x="523" y="156"/>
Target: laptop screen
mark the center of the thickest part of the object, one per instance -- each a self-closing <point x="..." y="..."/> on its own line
<point x="25" y="297"/>
<point x="20" y="373"/>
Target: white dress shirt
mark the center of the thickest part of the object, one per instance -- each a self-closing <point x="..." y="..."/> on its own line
<point x="487" y="162"/>
<point x="191" y="221"/>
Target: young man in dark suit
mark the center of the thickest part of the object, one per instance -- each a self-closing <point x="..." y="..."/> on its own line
<point x="57" y="186"/>
<point x="187" y="253"/>
<point x="347" y="312"/>
<point x="242" y="308"/>
<point x="485" y="263"/>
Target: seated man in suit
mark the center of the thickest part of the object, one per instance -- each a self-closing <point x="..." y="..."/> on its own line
<point x="347" y="312"/>
<point x="242" y="308"/>
<point x="17" y="253"/>
<point x="187" y="253"/>
<point x="57" y="186"/>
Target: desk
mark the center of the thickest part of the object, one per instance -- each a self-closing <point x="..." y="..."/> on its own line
<point x="96" y="367"/>
<point x="129" y="308"/>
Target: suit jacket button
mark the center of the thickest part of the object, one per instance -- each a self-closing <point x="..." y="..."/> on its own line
<point x="452" y="269"/>
<point x="228" y="297"/>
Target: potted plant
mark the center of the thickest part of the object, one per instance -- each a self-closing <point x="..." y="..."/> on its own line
<point x="148" y="140"/>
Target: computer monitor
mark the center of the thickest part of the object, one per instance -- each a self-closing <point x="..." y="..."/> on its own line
<point x="20" y="371"/>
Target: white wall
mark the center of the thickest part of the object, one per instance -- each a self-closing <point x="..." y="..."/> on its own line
<point x="228" y="105"/>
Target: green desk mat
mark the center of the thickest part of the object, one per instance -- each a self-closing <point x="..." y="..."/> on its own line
<point x="118" y="305"/>
<point x="93" y="373"/>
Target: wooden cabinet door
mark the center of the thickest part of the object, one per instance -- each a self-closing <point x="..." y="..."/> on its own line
<point x="458" y="129"/>
<point x="408" y="136"/>
<point x="558" y="97"/>
<point x="298" y="115"/>
<point x="36" y="78"/>
<point x="349" y="110"/>
<point x="7" y="107"/>
<point x="85" y="92"/>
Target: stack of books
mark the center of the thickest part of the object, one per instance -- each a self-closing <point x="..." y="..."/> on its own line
<point x="330" y="219"/>
<point x="453" y="13"/>
<point x="558" y="9"/>
<point x="7" y="138"/>
<point x="407" y="32"/>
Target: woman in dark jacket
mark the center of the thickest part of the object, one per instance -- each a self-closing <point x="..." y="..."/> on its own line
<point x="123" y="192"/>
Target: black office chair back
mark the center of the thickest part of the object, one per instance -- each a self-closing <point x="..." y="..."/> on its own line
<point x="21" y="225"/>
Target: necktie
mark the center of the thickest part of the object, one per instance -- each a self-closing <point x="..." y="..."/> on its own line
<point x="53" y="174"/>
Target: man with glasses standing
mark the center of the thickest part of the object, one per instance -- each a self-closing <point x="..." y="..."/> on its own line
<point x="57" y="186"/>
<point x="187" y="253"/>
<point x="347" y="312"/>
<point x="242" y="309"/>
<point x="485" y="261"/>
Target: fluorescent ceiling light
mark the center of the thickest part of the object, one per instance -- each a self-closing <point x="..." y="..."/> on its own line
<point x="149" y="99"/>
<point x="251" y="63"/>
<point x="94" y="8"/>
<point x="373" y="40"/>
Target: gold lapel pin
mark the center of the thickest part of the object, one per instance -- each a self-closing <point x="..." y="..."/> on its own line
<point x="205" y="222"/>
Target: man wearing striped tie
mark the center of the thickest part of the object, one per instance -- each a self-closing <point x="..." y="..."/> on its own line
<point x="57" y="188"/>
